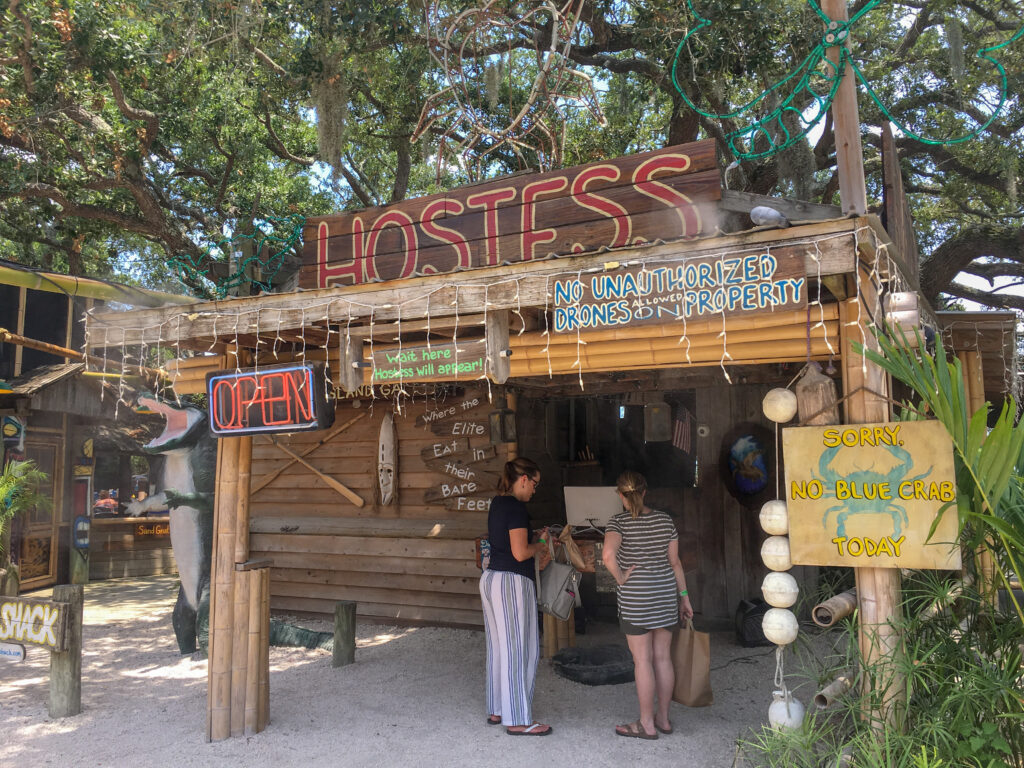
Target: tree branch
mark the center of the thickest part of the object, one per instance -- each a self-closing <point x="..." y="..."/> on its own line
<point x="949" y="259"/>
<point x="986" y="298"/>
<point x="132" y="113"/>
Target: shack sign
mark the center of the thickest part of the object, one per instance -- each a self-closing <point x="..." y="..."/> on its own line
<point x="283" y="398"/>
<point x="727" y="284"/>
<point x="615" y="203"/>
<point x="40" y="622"/>
<point x="867" y="495"/>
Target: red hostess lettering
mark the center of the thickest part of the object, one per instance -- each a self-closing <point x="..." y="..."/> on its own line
<point x="489" y="202"/>
<point x="531" y="192"/>
<point x="689" y="216"/>
<point x="335" y="272"/>
<point x="623" y="223"/>
<point x="404" y="222"/>
<point x="445" y="234"/>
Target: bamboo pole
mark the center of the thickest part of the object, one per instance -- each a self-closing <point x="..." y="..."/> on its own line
<point x="828" y="695"/>
<point x="865" y="387"/>
<point x="827" y="613"/>
<point x="239" y="651"/>
<point x="263" y="715"/>
<point x="221" y="597"/>
<point x="42" y="346"/>
<point x="241" y="547"/>
<point x="253" y="651"/>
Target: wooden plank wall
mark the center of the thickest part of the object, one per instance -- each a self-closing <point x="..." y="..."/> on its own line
<point x="728" y="533"/>
<point x="408" y="561"/>
<point x="115" y="552"/>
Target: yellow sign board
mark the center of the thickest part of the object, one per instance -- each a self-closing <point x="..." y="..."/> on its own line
<point x="866" y="495"/>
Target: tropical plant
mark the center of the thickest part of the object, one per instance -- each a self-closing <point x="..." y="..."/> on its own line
<point x="20" y="484"/>
<point x="989" y="460"/>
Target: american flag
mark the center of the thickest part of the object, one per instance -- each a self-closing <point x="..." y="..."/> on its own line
<point x="681" y="431"/>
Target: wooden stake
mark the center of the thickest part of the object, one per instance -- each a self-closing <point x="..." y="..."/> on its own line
<point x="66" y="666"/>
<point x="344" y="633"/>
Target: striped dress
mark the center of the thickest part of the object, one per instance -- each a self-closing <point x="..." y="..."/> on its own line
<point x="649" y="599"/>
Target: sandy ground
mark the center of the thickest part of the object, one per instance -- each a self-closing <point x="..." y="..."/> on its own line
<point x="414" y="697"/>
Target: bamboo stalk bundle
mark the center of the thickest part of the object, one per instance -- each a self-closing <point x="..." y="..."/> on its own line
<point x="832" y="610"/>
<point x="253" y="651"/>
<point x="239" y="652"/>
<point x="263" y="709"/>
<point x="828" y="695"/>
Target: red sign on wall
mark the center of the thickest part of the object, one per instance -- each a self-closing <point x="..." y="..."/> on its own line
<point x="286" y="398"/>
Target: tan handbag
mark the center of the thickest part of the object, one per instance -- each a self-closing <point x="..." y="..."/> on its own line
<point x="691" y="657"/>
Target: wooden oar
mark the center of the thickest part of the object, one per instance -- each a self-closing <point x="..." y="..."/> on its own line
<point x="345" y="491"/>
<point x="308" y="450"/>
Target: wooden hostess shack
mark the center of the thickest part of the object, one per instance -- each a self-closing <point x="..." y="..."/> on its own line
<point x="618" y="315"/>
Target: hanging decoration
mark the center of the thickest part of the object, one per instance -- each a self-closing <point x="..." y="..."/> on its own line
<point x="272" y="239"/>
<point x="509" y="83"/>
<point x="814" y="83"/>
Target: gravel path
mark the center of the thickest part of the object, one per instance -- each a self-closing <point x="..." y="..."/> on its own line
<point x="414" y="697"/>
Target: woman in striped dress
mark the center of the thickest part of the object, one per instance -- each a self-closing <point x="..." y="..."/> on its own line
<point x="641" y="551"/>
<point x="509" y="599"/>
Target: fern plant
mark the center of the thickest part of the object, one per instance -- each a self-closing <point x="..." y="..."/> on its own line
<point x="20" y="484"/>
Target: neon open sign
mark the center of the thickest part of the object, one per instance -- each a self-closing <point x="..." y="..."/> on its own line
<point x="288" y="398"/>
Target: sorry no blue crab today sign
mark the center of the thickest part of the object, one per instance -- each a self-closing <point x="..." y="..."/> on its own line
<point x="867" y="495"/>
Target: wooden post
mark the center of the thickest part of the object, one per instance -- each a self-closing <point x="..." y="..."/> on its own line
<point x="878" y="589"/>
<point x="344" y="633"/>
<point x="550" y="636"/>
<point x="846" y="121"/>
<point x="498" y="350"/>
<point x="66" y="666"/>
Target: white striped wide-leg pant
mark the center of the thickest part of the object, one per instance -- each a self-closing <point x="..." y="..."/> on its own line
<point x="513" y="644"/>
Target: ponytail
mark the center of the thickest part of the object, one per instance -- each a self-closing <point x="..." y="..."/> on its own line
<point x="632" y="486"/>
<point x="515" y="469"/>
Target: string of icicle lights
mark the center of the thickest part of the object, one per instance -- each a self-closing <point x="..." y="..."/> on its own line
<point x="268" y="324"/>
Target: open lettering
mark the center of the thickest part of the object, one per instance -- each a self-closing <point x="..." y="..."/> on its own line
<point x="272" y="400"/>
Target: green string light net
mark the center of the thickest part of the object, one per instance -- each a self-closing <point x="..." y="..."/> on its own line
<point x="272" y="239"/>
<point x="814" y="84"/>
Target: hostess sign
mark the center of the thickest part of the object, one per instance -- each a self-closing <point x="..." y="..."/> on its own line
<point x="745" y="282"/>
<point x="42" y="622"/>
<point x="626" y="201"/>
<point x="869" y="495"/>
<point x="286" y="398"/>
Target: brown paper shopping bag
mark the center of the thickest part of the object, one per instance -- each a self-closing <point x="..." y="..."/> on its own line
<point x="691" y="657"/>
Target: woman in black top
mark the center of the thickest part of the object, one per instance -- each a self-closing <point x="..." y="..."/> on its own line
<point x="509" y="599"/>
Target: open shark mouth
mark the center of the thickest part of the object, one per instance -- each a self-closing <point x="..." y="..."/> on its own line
<point x="180" y="424"/>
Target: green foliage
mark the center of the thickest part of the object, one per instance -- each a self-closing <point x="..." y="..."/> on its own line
<point x="989" y="460"/>
<point x="20" y="482"/>
<point x="964" y="692"/>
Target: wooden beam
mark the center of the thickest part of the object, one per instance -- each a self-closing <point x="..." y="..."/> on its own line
<point x="794" y="210"/>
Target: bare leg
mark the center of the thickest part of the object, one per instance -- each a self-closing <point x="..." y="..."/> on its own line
<point x="664" y="674"/>
<point x="643" y="669"/>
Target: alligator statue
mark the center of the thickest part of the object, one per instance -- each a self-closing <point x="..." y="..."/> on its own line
<point x="187" y="486"/>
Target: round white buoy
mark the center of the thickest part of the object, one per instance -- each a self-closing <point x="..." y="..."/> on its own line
<point x="775" y="553"/>
<point x="785" y="711"/>
<point x="779" y="590"/>
<point x="775" y="517"/>
<point x="780" y="626"/>
<point x="779" y="405"/>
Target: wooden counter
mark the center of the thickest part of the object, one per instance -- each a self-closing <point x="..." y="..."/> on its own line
<point x="130" y="546"/>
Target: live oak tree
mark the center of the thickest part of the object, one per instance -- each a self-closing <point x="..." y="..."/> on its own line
<point x="133" y="131"/>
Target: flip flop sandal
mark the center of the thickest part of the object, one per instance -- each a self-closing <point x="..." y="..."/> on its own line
<point x="666" y="731"/>
<point x="492" y="721"/>
<point x="531" y="731"/>
<point x="635" y="731"/>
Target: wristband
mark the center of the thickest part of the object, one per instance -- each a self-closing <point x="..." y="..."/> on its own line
<point x="683" y="592"/>
<point x="541" y="541"/>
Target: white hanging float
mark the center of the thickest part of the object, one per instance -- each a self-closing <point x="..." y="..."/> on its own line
<point x="779" y="405"/>
<point x="774" y="517"/>
<point x="785" y="711"/>
<point x="780" y="626"/>
<point x="779" y="590"/>
<point x="775" y="553"/>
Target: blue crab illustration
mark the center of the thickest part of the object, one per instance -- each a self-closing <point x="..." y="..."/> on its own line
<point x="865" y="478"/>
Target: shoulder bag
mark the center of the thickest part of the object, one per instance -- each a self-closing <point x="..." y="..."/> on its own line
<point x="557" y="587"/>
